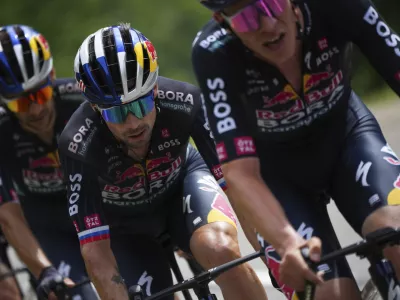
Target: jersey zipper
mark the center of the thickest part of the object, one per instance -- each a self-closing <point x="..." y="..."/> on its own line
<point x="146" y="182"/>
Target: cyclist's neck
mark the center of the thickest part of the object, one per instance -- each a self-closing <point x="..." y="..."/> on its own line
<point x="137" y="154"/>
<point x="292" y="69"/>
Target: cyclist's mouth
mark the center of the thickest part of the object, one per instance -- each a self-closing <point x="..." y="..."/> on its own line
<point x="137" y="134"/>
<point x="275" y="43"/>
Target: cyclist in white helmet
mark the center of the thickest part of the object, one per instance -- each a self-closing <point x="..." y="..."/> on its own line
<point x="134" y="176"/>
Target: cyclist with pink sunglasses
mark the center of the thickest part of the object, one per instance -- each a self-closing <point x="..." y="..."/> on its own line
<point x="291" y="133"/>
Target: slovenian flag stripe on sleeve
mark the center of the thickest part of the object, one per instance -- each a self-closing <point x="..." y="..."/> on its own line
<point x="94" y="234"/>
<point x="222" y="183"/>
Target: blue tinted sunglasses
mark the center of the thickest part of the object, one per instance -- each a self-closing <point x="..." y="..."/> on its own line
<point x="140" y="108"/>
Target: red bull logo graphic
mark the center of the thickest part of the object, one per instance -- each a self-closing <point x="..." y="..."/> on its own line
<point x="221" y="211"/>
<point x="151" y="50"/>
<point x="156" y="162"/>
<point x="282" y="97"/>
<point x="134" y="171"/>
<point x="273" y="263"/>
<point x="394" y="195"/>
<point x="392" y="161"/>
<point x="43" y="41"/>
<point x="319" y="94"/>
<point x="312" y="80"/>
<point x="277" y="115"/>
<point x="51" y="160"/>
<point x="118" y="189"/>
<point x="159" y="174"/>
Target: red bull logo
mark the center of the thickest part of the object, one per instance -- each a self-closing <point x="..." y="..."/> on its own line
<point x="312" y="80"/>
<point x="175" y="165"/>
<point x="392" y="160"/>
<point x="394" y="195"/>
<point x="151" y="50"/>
<point x="134" y="171"/>
<point x="221" y="212"/>
<point x="273" y="263"/>
<point x="282" y="97"/>
<point x="43" y="41"/>
<point x="51" y="160"/>
<point x="155" y="163"/>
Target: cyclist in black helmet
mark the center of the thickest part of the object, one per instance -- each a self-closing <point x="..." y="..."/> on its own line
<point x="35" y="108"/>
<point x="290" y="131"/>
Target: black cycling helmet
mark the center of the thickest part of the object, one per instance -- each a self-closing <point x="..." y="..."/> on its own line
<point x="217" y="5"/>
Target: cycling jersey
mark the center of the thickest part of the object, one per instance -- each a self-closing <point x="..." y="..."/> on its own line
<point x="30" y="171"/>
<point x="319" y="142"/>
<point x="249" y="102"/>
<point x="26" y="162"/>
<point x="107" y="187"/>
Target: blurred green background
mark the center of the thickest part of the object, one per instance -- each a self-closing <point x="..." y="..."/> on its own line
<point x="170" y="24"/>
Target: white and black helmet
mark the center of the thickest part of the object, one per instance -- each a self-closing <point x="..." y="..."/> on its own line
<point x="116" y="65"/>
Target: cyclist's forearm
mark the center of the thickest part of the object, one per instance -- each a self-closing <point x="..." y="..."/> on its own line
<point x="21" y="238"/>
<point x="103" y="272"/>
<point x="251" y="198"/>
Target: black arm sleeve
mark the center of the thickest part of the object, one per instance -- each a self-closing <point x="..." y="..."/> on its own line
<point x="221" y="81"/>
<point x="203" y="138"/>
<point x="84" y="200"/>
<point x="360" y="22"/>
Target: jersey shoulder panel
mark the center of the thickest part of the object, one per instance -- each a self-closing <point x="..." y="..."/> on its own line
<point x="178" y="96"/>
<point x="214" y="38"/>
<point x="67" y="91"/>
<point x="83" y="136"/>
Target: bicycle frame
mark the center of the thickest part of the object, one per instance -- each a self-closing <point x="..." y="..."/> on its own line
<point x="384" y="277"/>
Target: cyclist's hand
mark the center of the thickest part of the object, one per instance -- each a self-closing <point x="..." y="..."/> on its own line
<point x="49" y="281"/>
<point x="294" y="271"/>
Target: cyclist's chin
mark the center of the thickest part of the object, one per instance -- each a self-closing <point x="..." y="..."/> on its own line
<point x="276" y="53"/>
<point x="138" y="141"/>
<point x="38" y="121"/>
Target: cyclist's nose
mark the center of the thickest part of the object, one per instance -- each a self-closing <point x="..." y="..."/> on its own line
<point x="132" y="121"/>
<point x="36" y="109"/>
<point x="267" y="24"/>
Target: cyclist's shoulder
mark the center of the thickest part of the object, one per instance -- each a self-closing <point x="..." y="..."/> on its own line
<point x="166" y="84"/>
<point x="213" y="40"/>
<point x="171" y="90"/>
<point x="67" y="92"/>
<point x="80" y="137"/>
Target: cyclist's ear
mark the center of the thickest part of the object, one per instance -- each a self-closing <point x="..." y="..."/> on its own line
<point x="155" y="89"/>
<point x="218" y="17"/>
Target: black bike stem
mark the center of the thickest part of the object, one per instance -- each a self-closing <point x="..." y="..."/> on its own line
<point x="205" y="277"/>
<point x="215" y="272"/>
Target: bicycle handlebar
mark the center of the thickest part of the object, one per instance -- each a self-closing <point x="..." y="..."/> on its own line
<point x="205" y="277"/>
<point x="372" y="245"/>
